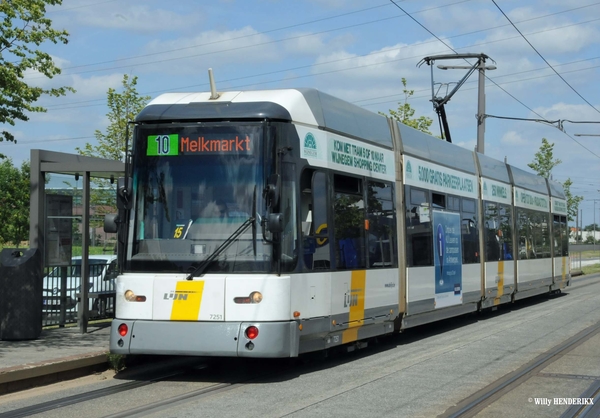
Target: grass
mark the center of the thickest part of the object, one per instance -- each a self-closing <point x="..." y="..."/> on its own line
<point x="594" y="268"/>
<point x="586" y="255"/>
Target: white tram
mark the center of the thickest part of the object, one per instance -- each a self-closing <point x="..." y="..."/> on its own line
<point x="274" y="223"/>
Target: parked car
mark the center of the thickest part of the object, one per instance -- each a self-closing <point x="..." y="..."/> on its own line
<point x="103" y="270"/>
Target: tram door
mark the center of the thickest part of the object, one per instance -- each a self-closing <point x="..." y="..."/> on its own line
<point x="315" y="231"/>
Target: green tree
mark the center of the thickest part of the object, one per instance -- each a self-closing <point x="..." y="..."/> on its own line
<point x="14" y="202"/>
<point x="572" y="201"/>
<point x="405" y="113"/>
<point x="543" y="163"/>
<point x="23" y="28"/>
<point x="123" y="108"/>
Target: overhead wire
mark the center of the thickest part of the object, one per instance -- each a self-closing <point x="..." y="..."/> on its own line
<point x="230" y="39"/>
<point x="347" y="68"/>
<point x="378" y="6"/>
<point x="544" y="59"/>
<point x="488" y="78"/>
<point x="279" y="40"/>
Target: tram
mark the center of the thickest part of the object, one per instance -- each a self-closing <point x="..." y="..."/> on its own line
<point x="279" y="222"/>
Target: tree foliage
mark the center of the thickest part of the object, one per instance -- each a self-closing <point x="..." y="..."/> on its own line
<point x="14" y="202"/>
<point x="572" y="201"/>
<point x="23" y="28"/>
<point x="543" y="163"/>
<point x="123" y="107"/>
<point x="405" y="113"/>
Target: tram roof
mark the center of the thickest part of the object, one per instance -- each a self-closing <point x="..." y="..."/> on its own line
<point x="303" y="105"/>
<point x="530" y="181"/>
<point x="492" y="168"/>
<point x="429" y="148"/>
<point x="556" y="189"/>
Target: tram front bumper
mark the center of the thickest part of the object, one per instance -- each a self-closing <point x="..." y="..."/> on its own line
<point x="218" y="339"/>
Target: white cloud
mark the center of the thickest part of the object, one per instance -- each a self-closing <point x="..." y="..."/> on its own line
<point x="561" y="110"/>
<point x="212" y="48"/>
<point x="96" y="85"/>
<point x="513" y="138"/>
<point x="129" y="17"/>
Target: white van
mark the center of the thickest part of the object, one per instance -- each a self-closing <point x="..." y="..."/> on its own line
<point x="103" y="271"/>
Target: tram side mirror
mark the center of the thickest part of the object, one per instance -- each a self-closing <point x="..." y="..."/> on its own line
<point x="111" y="223"/>
<point x="272" y="189"/>
<point x="275" y="223"/>
<point x="124" y="188"/>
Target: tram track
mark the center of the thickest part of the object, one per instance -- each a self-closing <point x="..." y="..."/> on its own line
<point x="144" y="379"/>
<point x="477" y="402"/>
<point x="217" y="381"/>
<point x="232" y="379"/>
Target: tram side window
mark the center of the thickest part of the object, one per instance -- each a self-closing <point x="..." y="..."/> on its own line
<point x="349" y="223"/>
<point x="419" y="239"/>
<point x="506" y="231"/>
<point x="497" y="232"/>
<point x="533" y="233"/>
<point x="557" y="236"/>
<point x="470" y="232"/>
<point x="542" y="235"/>
<point x="561" y="237"/>
<point x="381" y="225"/>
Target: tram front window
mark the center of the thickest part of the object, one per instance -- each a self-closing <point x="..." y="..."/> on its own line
<point x="193" y="193"/>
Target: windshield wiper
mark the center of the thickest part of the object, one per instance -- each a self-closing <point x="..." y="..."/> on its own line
<point x="199" y="271"/>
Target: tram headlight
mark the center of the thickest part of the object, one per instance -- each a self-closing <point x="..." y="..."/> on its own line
<point x="132" y="297"/>
<point x="255" y="297"/>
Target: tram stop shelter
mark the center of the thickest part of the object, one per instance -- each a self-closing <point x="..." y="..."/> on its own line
<point x="49" y="162"/>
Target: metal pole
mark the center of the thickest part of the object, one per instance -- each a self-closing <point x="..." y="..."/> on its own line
<point x="481" y="107"/>
<point x="83" y="314"/>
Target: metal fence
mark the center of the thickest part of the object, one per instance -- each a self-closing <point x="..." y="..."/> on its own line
<point x="61" y="293"/>
<point x="582" y="255"/>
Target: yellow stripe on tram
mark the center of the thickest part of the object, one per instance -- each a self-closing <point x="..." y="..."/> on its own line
<point x="500" y="290"/>
<point x="357" y="305"/>
<point x="186" y="304"/>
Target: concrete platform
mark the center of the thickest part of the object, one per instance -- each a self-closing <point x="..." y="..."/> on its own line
<point x="59" y="354"/>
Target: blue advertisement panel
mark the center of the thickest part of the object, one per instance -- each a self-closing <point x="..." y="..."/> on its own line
<point x="447" y="258"/>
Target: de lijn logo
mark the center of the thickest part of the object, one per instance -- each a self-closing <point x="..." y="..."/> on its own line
<point x="409" y="174"/>
<point x="310" y="146"/>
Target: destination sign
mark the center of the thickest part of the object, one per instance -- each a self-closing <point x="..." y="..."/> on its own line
<point x="173" y="144"/>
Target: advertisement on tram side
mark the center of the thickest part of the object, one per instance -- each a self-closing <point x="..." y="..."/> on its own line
<point x="447" y="259"/>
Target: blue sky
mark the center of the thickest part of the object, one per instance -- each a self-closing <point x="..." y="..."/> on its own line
<point x="357" y="50"/>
